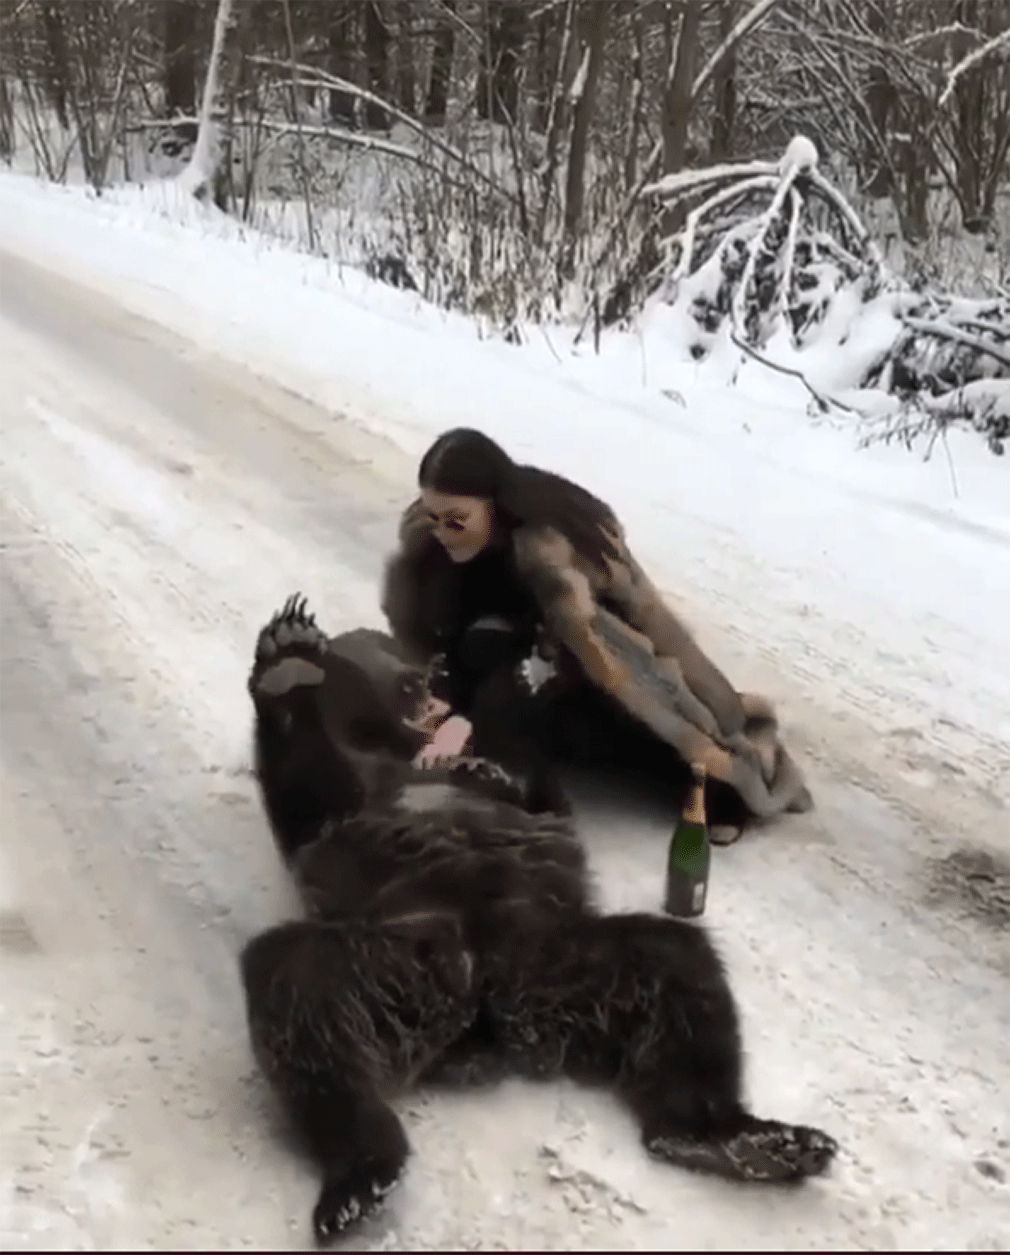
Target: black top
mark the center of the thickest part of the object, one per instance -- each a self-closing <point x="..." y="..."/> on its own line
<point x="487" y="585"/>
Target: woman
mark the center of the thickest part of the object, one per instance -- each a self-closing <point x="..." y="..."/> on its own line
<point x="496" y="559"/>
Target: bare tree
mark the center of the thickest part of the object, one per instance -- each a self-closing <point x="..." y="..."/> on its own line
<point x="440" y="76"/>
<point x="377" y="44"/>
<point x="179" y="21"/>
<point x="199" y="175"/>
<point x="677" y="97"/>
<point x="592" y="24"/>
<point x="498" y="79"/>
<point x="636" y="103"/>
<point x="57" y="62"/>
<point x="406" y="76"/>
<point x="724" y="89"/>
<point x="342" y="23"/>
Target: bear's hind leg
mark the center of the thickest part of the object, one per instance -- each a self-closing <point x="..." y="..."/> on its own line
<point x="644" y="1002"/>
<point x="686" y="1083"/>
<point x="760" y="1151"/>
<point x="361" y="1146"/>
<point x="341" y="1016"/>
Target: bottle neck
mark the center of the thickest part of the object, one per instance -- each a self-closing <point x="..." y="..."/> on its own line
<point x="694" y="811"/>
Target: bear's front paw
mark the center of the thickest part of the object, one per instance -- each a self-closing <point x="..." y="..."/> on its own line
<point x="289" y="651"/>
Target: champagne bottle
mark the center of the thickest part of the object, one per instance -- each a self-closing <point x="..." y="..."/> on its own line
<point x="690" y="854"/>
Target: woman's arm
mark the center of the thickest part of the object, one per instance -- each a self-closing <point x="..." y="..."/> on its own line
<point x="641" y="605"/>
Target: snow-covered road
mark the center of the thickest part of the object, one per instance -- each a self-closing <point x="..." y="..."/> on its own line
<point x="157" y="504"/>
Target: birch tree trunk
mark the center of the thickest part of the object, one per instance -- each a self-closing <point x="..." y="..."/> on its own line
<point x="198" y="175"/>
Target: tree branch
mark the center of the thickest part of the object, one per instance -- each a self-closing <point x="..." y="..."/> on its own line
<point x="972" y="59"/>
<point x="822" y="401"/>
<point x="750" y="19"/>
<point x="311" y="76"/>
<point x="949" y="332"/>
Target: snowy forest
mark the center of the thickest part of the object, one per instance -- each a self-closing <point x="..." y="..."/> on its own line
<point x="762" y="168"/>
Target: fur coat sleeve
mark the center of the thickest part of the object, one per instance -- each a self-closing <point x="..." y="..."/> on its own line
<point x="626" y="641"/>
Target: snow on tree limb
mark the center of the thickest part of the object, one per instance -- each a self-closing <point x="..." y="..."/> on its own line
<point x="789" y="257"/>
<point x="695" y="216"/>
<point x="750" y="19"/>
<point x="685" y="180"/>
<point x="754" y="252"/>
<point x="938" y="327"/>
<point x="762" y="257"/>
<point x="972" y="59"/>
<point x="312" y="76"/>
<point x="579" y="82"/>
<point x="759" y="261"/>
<point x="198" y="174"/>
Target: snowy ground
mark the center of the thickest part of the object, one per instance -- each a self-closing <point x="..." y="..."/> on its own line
<point x="159" y="500"/>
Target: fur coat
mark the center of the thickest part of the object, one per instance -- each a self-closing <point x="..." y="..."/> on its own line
<point x="626" y="641"/>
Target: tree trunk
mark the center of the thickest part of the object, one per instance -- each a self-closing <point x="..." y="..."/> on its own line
<point x="970" y="105"/>
<point x="406" y="79"/>
<point x="679" y="79"/>
<point x="498" y="76"/>
<point x="6" y="121"/>
<point x="593" y="36"/>
<point x="340" y="61"/>
<point x="545" y="59"/>
<point x="566" y="67"/>
<point x="724" y="90"/>
<point x="637" y="101"/>
<point x="199" y="175"/>
<point x="880" y="100"/>
<point x="437" y="99"/>
<point x="57" y="63"/>
<point x="377" y="45"/>
<point x="179" y="80"/>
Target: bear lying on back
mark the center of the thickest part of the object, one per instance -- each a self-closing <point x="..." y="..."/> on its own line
<point x="453" y="938"/>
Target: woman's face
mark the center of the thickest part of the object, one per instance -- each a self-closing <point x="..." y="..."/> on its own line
<point x="461" y="525"/>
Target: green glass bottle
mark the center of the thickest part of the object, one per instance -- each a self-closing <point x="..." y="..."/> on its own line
<point x="690" y="854"/>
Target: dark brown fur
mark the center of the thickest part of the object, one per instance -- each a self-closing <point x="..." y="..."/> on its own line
<point x="454" y="940"/>
<point x="342" y="1017"/>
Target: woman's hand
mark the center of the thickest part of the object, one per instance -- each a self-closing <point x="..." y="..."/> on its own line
<point x="448" y="741"/>
<point x="432" y="715"/>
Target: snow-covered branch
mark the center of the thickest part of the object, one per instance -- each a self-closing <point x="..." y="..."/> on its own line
<point x="776" y="263"/>
<point x="757" y="13"/>
<point x="1002" y="40"/>
<point x="671" y="185"/>
<point x="687" y="237"/>
<point x="938" y="327"/>
<point x="311" y="76"/>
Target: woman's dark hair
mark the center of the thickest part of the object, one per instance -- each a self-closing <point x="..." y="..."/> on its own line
<point x="465" y="463"/>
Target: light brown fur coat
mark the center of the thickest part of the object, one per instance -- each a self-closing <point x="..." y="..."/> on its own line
<point x="627" y="642"/>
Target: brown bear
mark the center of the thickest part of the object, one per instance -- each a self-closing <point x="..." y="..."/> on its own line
<point x="453" y="938"/>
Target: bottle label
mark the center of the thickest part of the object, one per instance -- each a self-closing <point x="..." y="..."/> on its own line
<point x="698" y="896"/>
